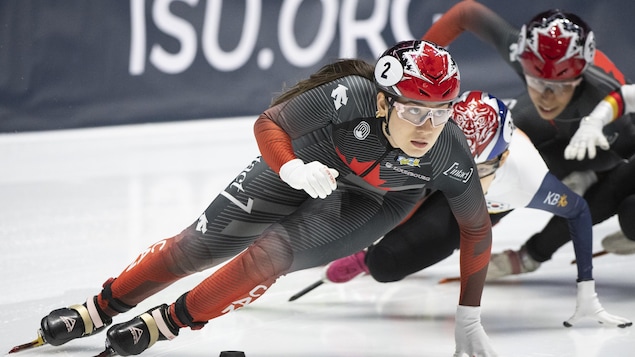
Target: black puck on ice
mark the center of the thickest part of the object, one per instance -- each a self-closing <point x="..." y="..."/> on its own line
<point x="232" y="354"/>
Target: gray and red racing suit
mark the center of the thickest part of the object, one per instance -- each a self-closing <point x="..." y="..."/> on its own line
<point x="275" y="229"/>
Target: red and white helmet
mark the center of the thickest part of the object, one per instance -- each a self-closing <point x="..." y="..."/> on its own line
<point x="418" y="71"/>
<point x="486" y="122"/>
<point x="555" y="45"/>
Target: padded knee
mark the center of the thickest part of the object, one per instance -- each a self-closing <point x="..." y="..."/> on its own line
<point x="270" y="255"/>
<point x="383" y="265"/>
<point x="238" y="283"/>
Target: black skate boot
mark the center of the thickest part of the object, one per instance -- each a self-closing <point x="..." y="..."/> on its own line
<point x="69" y="323"/>
<point x="138" y="334"/>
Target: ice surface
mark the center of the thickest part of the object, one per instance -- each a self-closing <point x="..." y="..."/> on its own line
<point x="77" y="206"/>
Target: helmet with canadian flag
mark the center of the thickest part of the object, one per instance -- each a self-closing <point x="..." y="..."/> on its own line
<point x="418" y="71"/>
<point x="486" y="122"/>
<point x="555" y="45"/>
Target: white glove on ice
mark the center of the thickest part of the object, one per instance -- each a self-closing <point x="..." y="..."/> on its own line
<point x="588" y="306"/>
<point x="469" y="334"/>
<point x="580" y="181"/>
<point x="315" y="178"/>
<point x="586" y="138"/>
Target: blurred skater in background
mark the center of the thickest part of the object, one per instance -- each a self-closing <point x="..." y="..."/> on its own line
<point x="576" y="100"/>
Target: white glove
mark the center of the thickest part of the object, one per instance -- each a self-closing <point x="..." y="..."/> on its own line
<point x="580" y="181"/>
<point x="588" y="306"/>
<point x="586" y="138"/>
<point x="315" y="178"/>
<point x="469" y="334"/>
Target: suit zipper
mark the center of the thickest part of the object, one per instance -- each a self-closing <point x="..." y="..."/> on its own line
<point x="375" y="163"/>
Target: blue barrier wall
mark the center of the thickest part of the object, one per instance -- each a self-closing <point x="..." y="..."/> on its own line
<point x="81" y="63"/>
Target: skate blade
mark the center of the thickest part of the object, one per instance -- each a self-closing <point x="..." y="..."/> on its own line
<point x="108" y="352"/>
<point x="449" y="280"/>
<point x="39" y="341"/>
<point x="306" y="290"/>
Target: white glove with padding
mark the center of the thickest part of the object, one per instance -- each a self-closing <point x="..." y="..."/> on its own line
<point x="580" y="181"/>
<point x="315" y="178"/>
<point x="469" y="335"/>
<point x="588" y="306"/>
<point x="586" y="138"/>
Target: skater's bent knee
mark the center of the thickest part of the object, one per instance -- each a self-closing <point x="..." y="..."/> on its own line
<point x="383" y="265"/>
<point x="271" y="254"/>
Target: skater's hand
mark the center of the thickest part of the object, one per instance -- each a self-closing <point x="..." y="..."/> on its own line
<point x="580" y="181"/>
<point x="469" y="334"/>
<point x="586" y="138"/>
<point x="588" y="306"/>
<point x="315" y="178"/>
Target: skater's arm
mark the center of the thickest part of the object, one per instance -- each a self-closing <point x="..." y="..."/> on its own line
<point x="476" y="18"/>
<point x="555" y="197"/>
<point x="274" y="143"/>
